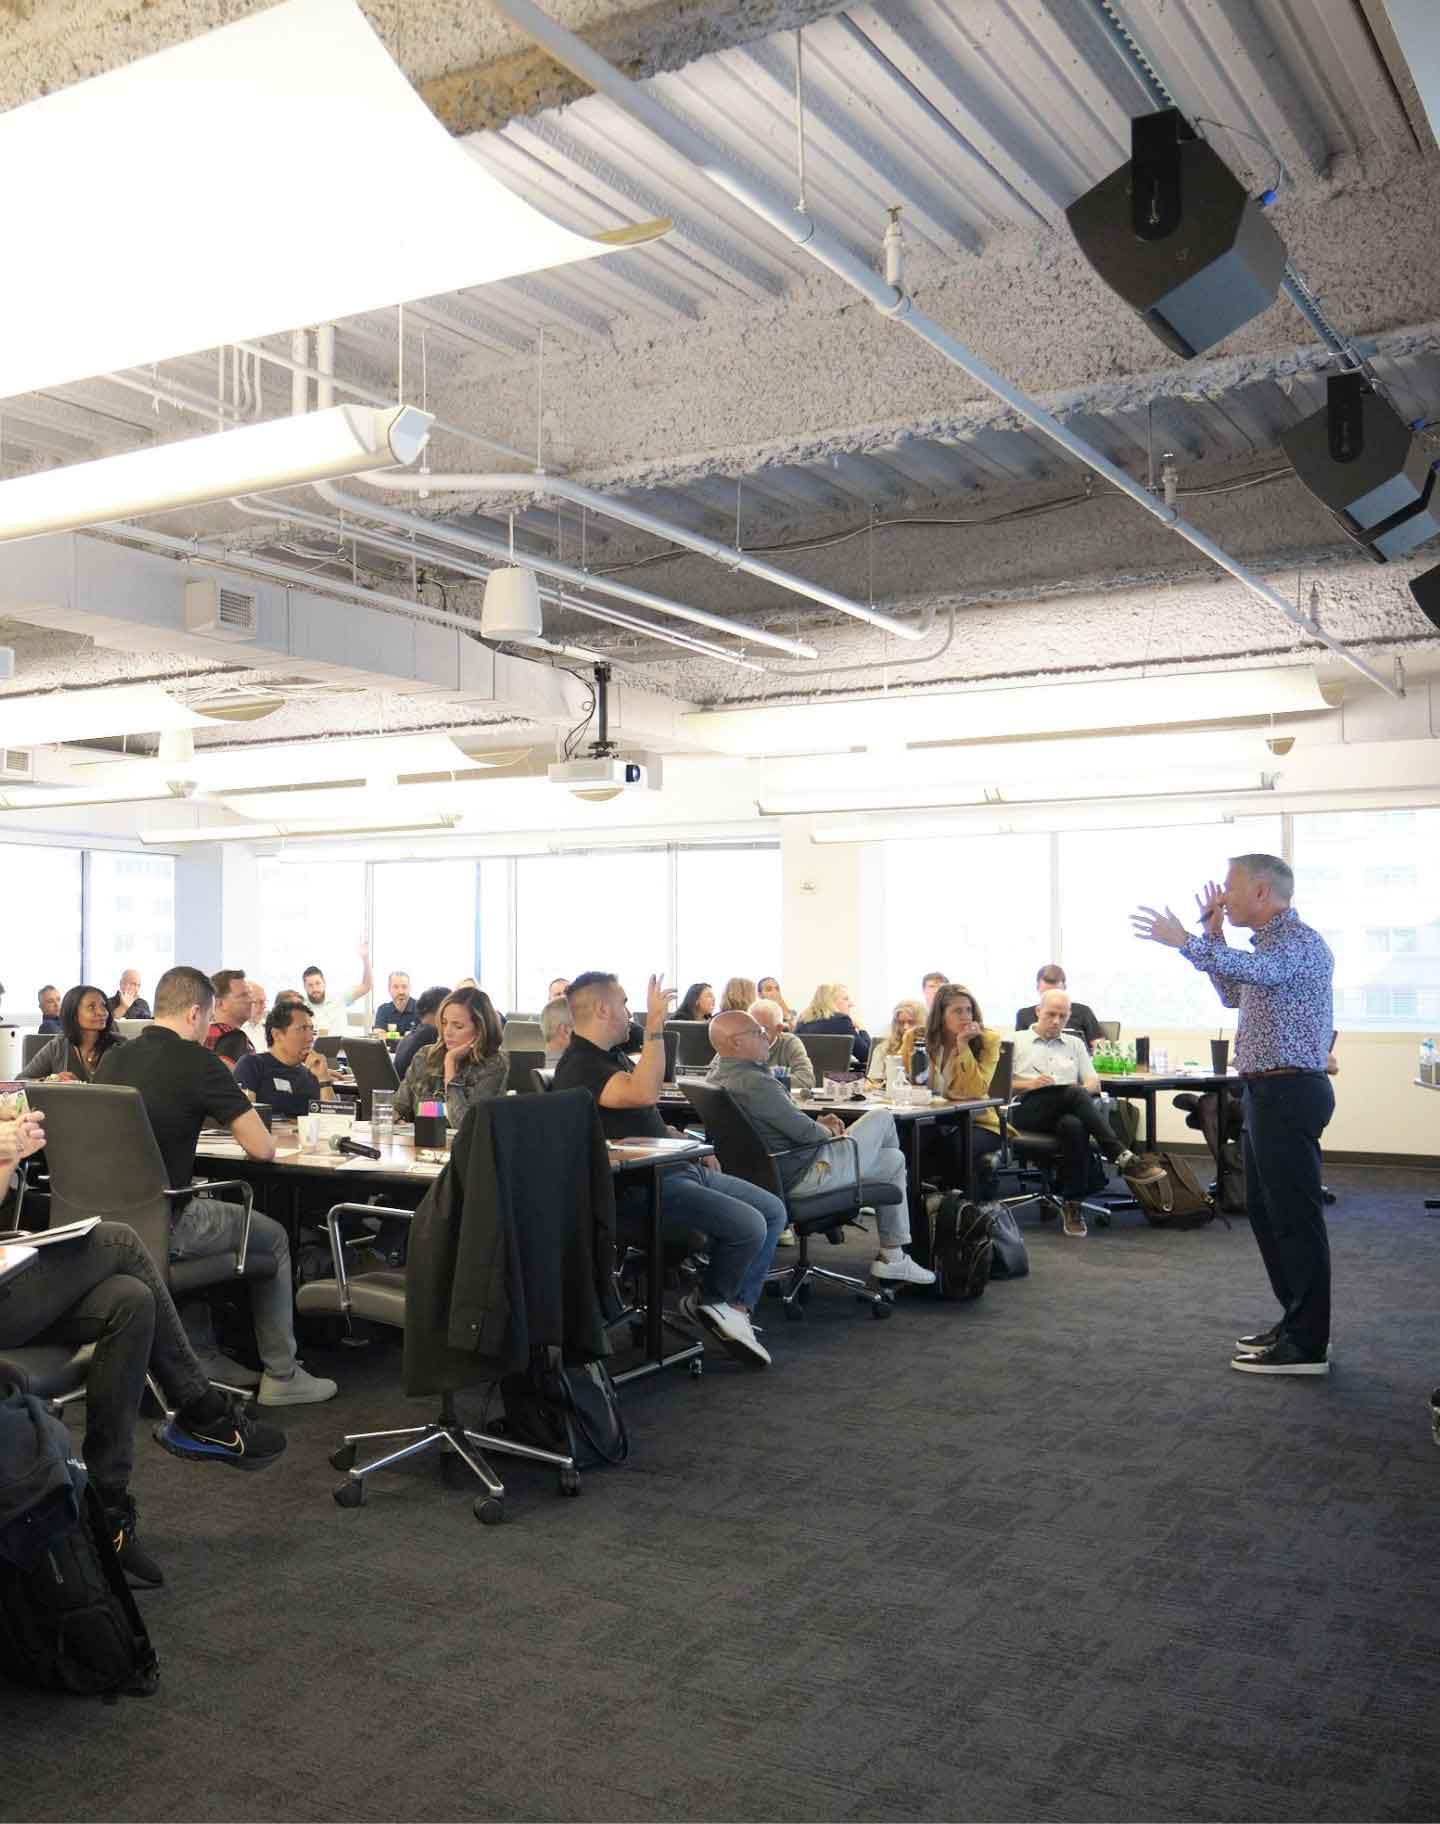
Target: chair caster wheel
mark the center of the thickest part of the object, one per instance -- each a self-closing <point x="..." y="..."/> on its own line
<point x="697" y="1368"/>
<point x="489" y="1510"/>
<point x="568" y="1482"/>
<point x="343" y="1457"/>
<point x="882" y="1308"/>
<point x="350" y="1494"/>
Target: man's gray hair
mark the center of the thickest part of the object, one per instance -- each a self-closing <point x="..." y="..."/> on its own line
<point x="555" y="1015"/>
<point x="1278" y="875"/>
<point x="771" y="1009"/>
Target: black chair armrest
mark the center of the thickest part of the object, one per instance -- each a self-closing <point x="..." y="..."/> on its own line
<point x="337" y="1244"/>
<point x="247" y="1199"/>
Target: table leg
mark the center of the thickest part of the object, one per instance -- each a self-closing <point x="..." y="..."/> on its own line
<point x="915" y="1193"/>
<point x="1150" y="1120"/>
<point x="655" y="1356"/>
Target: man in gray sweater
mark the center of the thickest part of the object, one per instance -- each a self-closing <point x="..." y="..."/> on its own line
<point x="742" y="1046"/>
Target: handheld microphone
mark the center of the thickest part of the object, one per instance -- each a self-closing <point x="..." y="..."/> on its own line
<point x="342" y="1143"/>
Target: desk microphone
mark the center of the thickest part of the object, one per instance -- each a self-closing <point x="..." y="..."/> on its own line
<point x="342" y="1143"/>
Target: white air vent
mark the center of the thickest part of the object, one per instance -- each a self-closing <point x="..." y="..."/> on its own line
<point x="17" y="766"/>
<point x="222" y="610"/>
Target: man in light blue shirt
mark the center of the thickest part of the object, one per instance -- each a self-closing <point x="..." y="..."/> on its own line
<point x="1055" y="1080"/>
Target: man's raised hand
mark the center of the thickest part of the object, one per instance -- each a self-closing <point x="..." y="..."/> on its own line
<point x="1158" y="927"/>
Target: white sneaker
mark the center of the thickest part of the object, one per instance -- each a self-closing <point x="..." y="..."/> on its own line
<point x="301" y="1389"/>
<point x="902" y="1270"/>
<point x="732" y="1329"/>
<point x="786" y="1237"/>
<point x="228" y="1372"/>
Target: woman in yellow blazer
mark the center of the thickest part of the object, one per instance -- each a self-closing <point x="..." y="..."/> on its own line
<point x="963" y="1053"/>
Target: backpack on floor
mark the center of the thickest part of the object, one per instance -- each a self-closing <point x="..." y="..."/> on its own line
<point x="962" y="1245"/>
<point x="571" y="1407"/>
<point x="1178" y="1200"/>
<point x="67" y="1619"/>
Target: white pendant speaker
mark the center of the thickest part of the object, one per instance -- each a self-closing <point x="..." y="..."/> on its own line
<point x="512" y="606"/>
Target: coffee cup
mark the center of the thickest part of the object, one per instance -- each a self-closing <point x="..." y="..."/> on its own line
<point x="1219" y="1056"/>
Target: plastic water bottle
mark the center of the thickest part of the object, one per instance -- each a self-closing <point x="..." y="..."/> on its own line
<point x="1428" y="1061"/>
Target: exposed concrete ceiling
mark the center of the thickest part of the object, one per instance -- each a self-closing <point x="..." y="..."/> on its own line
<point x="721" y="380"/>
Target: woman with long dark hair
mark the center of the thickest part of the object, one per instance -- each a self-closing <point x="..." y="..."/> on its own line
<point x="465" y="1065"/>
<point x="87" y="1032"/>
<point x="963" y="1053"/>
<point x="698" y="1004"/>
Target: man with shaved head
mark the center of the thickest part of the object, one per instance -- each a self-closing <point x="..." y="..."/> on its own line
<point x="742" y="1048"/>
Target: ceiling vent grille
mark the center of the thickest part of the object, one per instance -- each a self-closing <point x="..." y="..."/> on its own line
<point x="221" y="610"/>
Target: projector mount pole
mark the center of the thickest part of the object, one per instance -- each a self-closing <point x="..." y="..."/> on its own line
<point x="602" y="747"/>
<point x="573" y="54"/>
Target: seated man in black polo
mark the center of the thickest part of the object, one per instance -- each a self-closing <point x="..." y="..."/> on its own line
<point x="291" y="1074"/>
<point x="743" y="1222"/>
<point x="399" y="1014"/>
<point x="1051" y="980"/>
<point x="424" y="1032"/>
<point x="182" y="1085"/>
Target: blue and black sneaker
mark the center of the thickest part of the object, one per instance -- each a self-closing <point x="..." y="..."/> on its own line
<point x="229" y="1436"/>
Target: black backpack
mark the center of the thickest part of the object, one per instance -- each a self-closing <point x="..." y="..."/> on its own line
<point x="962" y="1246"/>
<point x="571" y="1407"/>
<point x="67" y="1619"/>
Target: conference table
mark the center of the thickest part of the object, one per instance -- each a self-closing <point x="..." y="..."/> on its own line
<point x="911" y="1121"/>
<point x="1144" y="1085"/>
<point x="403" y="1176"/>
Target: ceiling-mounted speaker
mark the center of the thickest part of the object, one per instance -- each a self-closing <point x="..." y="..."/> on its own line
<point x="511" y="609"/>
<point x="1426" y="590"/>
<point x="1359" y="458"/>
<point x="1178" y="237"/>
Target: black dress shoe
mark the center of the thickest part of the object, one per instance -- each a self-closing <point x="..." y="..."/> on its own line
<point x="1262" y="1339"/>
<point x="1283" y="1358"/>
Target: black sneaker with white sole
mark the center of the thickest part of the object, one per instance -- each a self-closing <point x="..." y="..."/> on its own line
<point x="1283" y="1358"/>
<point x="1267" y="1339"/>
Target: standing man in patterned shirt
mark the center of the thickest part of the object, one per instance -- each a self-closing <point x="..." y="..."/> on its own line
<point x="1283" y="988"/>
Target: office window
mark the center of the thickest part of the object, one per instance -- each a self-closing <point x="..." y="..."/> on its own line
<point x="130" y="919"/>
<point x="311" y="913"/>
<point x="609" y="909"/>
<point x="497" y="975"/>
<point x="727" y="916"/>
<point x="423" y="917"/>
<point x="42" y="924"/>
<point x="1104" y="876"/>
<point x="1373" y="878"/>
<point x="976" y="907"/>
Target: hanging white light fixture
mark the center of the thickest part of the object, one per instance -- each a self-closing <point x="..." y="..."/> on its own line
<point x="283" y="453"/>
<point x="511" y="609"/>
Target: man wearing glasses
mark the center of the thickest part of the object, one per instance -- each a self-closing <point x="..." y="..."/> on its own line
<point x="291" y="1074"/>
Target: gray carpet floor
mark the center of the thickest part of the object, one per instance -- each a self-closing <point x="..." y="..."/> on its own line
<point x="1040" y="1557"/>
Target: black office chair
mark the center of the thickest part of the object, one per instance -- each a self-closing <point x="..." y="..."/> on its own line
<point x="1109" y="1030"/>
<point x="541" y="1080"/>
<point x="31" y="1043"/>
<point x="523" y="1068"/>
<point x="104" y="1162"/>
<point x="51" y="1371"/>
<point x="523" y="1035"/>
<point x="372" y="1067"/>
<point x="330" y="1047"/>
<point x="830" y="1053"/>
<point x="693" y="1050"/>
<point x="743" y="1153"/>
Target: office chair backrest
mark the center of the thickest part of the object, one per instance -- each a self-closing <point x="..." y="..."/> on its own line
<point x="735" y="1138"/>
<point x="131" y="1029"/>
<point x="104" y="1160"/>
<point x="543" y="1081"/>
<point x="523" y="1065"/>
<point x="1109" y="1029"/>
<point x="693" y="1050"/>
<point x="672" y="1053"/>
<point x="522" y="1035"/>
<point x="329" y="1047"/>
<point x="1004" y="1071"/>
<point x="829" y="1052"/>
<point x="31" y="1043"/>
<point x="374" y="1069"/>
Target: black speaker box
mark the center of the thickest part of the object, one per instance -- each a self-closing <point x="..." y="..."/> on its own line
<point x="1426" y="590"/>
<point x="1216" y="268"/>
<point x="1358" y="457"/>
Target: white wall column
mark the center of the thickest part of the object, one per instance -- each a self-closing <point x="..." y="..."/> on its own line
<point x="826" y="919"/>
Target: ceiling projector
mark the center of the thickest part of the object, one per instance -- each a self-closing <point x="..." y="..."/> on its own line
<point x="605" y="776"/>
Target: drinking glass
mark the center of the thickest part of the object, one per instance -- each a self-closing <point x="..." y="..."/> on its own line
<point x="382" y="1117"/>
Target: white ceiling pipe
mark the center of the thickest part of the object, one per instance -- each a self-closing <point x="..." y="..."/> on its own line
<point x="442" y="533"/>
<point x="406" y="548"/>
<point x="573" y="54"/>
<point x="609" y="508"/>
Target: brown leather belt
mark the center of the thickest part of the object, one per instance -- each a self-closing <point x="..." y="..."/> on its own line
<point x="1281" y="1070"/>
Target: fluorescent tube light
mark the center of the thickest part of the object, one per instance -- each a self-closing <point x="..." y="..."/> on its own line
<point x="1082" y="814"/>
<point x="268" y="832"/>
<point x="293" y="103"/>
<point x="1026" y="711"/>
<point x="283" y="453"/>
<point x="277" y="764"/>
